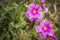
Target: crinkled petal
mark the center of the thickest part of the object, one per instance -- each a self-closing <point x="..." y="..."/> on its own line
<point x="32" y="18"/>
<point x="51" y="33"/>
<point x="40" y="15"/>
<point x="37" y="20"/>
<point x="48" y="25"/>
<point x="43" y="35"/>
<point x="38" y="8"/>
<point x="42" y="0"/>
<point x="45" y="9"/>
<point x="31" y="6"/>
<point x="38" y="29"/>
<point x="28" y="13"/>
<point x="51" y="26"/>
<point x="43" y="22"/>
<point x="54" y="37"/>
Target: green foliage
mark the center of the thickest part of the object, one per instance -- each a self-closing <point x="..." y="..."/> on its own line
<point x="15" y="26"/>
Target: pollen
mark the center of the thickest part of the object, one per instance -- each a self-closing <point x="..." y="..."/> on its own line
<point x="50" y="38"/>
<point x="45" y="28"/>
<point x="34" y="11"/>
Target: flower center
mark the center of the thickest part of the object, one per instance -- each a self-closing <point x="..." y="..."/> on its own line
<point x="50" y="38"/>
<point x="45" y="28"/>
<point x="34" y="11"/>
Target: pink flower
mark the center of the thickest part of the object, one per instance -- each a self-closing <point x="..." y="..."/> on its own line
<point x="45" y="28"/>
<point x="33" y="12"/>
<point x="44" y="7"/>
<point x="42" y="1"/>
<point x="52" y="38"/>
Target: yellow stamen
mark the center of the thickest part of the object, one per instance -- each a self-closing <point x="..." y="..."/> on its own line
<point x="45" y="28"/>
<point x="34" y="11"/>
<point x="50" y="38"/>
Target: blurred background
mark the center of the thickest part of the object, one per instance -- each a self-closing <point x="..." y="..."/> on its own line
<point x="15" y="26"/>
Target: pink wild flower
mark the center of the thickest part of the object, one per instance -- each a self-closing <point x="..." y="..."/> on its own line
<point x="44" y="29"/>
<point x="34" y="12"/>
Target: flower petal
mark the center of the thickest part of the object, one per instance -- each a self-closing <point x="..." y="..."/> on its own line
<point x="40" y="15"/>
<point x="38" y="8"/>
<point x="43" y="22"/>
<point x="31" y="6"/>
<point x="38" y="29"/>
<point x="50" y="33"/>
<point x="28" y="13"/>
<point x="43" y="35"/>
<point x="52" y="38"/>
<point x="43" y="1"/>
<point x="45" y="9"/>
<point x="32" y="18"/>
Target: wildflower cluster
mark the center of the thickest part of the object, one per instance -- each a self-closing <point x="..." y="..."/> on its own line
<point x="35" y="13"/>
